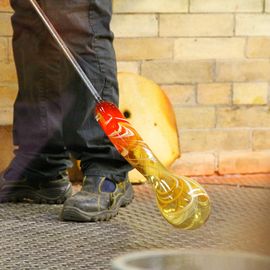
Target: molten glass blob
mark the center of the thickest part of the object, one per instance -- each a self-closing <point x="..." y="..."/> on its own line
<point x="181" y="200"/>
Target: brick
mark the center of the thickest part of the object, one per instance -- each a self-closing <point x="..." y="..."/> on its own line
<point x="5" y="29"/>
<point x="168" y="72"/>
<point x="5" y="6"/>
<point x="241" y="71"/>
<point x="212" y="139"/>
<point x="267" y="5"/>
<point x="228" y="6"/>
<point x="130" y="49"/>
<point x="8" y="94"/>
<point x="209" y="48"/>
<point x="128" y="67"/>
<point x="258" y="47"/>
<point x="244" y="162"/>
<point x="3" y="49"/>
<point x="261" y="139"/>
<point x="180" y="94"/>
<point x="195" y="164"/>
<point x="256" y="116"/>
<point x="199" y="25"/>
<point x="147" y="6"/>
<point x="134" y="25"/>
<point x="6" y="116"/>
<point x="8" y="73"/>
<point x="6" y="146"/>
<point x="250" y="93"/>
<point x="195" y="117"/>
<point x="214" y="93"/>
<point x="252" y="25"/>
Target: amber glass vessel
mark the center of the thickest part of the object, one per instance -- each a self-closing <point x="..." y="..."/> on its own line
<point x="181" y="200"/>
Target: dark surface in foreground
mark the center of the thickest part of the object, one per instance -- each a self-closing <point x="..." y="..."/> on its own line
<point x="33" y="237"/>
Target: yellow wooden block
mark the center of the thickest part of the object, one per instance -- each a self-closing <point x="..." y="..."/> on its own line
<point x="149" y="111"/>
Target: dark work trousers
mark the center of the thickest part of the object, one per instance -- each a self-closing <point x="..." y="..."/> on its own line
<point x="54" y="111"/>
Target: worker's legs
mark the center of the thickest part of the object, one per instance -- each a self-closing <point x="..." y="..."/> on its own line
<point x="53" y="112"/>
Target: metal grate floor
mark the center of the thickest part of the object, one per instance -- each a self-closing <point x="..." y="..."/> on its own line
<point x="33" y="237"/>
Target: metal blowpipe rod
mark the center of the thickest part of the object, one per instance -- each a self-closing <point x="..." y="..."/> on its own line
<point x="66" y="50"/>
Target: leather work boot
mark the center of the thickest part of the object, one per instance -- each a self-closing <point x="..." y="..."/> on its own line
<point x="94" y="203"/>
<point x="54" y="191"/>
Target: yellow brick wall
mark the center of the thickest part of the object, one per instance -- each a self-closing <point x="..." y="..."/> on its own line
<point x="8" y="84"/>
<point x="211" y="57"/>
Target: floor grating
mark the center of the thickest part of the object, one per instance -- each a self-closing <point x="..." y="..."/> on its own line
<point x="33" y="237"/>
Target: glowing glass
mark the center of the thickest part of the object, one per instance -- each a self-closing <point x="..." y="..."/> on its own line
<point x="181" y="200"/>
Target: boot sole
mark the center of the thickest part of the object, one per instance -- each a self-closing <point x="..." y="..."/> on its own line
<point x="75" y="214"/>
<point x="43" y="196"/>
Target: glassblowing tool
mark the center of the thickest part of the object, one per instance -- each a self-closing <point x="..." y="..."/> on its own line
<point x="181" y="200"/>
